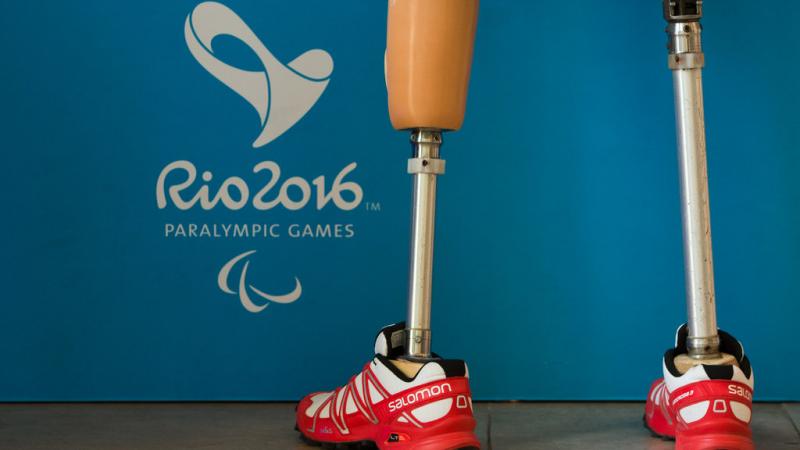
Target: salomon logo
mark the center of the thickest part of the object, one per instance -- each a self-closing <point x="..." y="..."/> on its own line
<point x="419" y="396"/>
<point x="740" y="391"/>
<point x="292" y="89"/>
<point x="244" y="297"/>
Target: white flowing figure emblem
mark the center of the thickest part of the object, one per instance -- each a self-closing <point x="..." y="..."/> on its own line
<point x="244" y="297"/>
<point x="281" y="93"/>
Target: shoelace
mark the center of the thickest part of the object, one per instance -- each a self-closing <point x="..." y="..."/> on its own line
<point x="364" y="405"/>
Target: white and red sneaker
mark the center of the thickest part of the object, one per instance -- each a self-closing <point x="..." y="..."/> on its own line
<point x="706" y="408"/>
<point x="431" y="410"/>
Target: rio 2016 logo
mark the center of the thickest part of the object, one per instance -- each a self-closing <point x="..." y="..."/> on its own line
<point x="241" y="190"/>
<point x="281" y="95"/>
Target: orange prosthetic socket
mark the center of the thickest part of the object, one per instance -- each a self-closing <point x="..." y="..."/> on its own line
<point x="428" y="57"/>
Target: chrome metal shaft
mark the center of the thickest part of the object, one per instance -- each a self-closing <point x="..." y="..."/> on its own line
<point x="425" y="166"/>
<point x="686" y="62"/>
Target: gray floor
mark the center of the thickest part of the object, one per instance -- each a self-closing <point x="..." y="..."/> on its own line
<point x="242" y="426"/>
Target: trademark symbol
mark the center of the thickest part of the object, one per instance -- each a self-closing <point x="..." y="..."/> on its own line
<point x="373" y="206"/>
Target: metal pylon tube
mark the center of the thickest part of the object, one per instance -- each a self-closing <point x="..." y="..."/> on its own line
<point x="686" y="61"/>
<point x="425" y="166"/>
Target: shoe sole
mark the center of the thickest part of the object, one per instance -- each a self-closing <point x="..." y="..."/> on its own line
<point x="359" y="445"/>
<point x="705" y="442"/>
<point x="715" y="442"/>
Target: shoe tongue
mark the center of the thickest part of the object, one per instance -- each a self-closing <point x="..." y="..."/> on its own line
<point x="390" y="340"/>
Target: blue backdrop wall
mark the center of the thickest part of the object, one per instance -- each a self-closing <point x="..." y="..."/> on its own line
<point x="559" y="261"/>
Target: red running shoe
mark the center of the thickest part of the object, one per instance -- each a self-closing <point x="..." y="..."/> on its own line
<point x="706" y="408"/>
<point x="381" y="405"/>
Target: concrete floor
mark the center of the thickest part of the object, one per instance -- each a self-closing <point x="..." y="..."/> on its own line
<point x="242" y="426"/>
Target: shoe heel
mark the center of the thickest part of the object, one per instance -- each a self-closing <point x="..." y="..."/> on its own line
<point x="714" y="442"/>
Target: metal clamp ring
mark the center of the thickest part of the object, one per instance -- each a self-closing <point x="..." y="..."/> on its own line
<point x="426" y="165"/>
<point x="686" y="61"/>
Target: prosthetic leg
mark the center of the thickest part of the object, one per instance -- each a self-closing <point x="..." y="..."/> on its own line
<point x="704" y="400"/>
<point x="407" y="397"/>
<point x="428" y="57"/>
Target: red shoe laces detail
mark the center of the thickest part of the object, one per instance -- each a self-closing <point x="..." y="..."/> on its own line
<point x="318" y="411"/>
<point x="374" y="379"/>
<point x="335" y="412"/>
<point x="411" y="419"/>
<point x="363" y="404"/>
<point x="363" y="400"/>
<point x="664" y="401"/>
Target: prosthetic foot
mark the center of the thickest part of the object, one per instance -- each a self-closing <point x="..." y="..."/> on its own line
<point x="706" y="406"/>
<point x="407" y="397"/>
<point x="704" y="400"/>
<point x="393" y="404"/>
